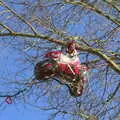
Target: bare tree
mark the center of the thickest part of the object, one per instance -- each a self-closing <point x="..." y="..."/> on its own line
<point x="29" y="29"/>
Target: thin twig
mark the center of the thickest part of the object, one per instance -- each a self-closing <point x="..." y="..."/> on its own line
<point x="6" y="27"/>
<point x="18" y="16"/>
<point x="94" y="9"/>
<point x="114" y="6"/>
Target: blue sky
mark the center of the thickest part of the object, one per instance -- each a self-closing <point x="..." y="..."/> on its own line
<point x="8" y="68"/>
<point x="11" y="112"/>
<point x="10" y="62"/>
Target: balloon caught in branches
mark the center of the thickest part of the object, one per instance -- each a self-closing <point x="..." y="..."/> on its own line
<point x="66" y="67"/>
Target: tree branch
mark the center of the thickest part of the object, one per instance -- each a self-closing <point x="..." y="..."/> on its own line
<point x="114" y="6"/>
<point x="15" y="94"/>
<point x="79" y="47"/>
<point x="114" y="93"/>
<point x="18" y="16"/>
<point x="94" y="9"/>
<point x="6" y="27"/>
